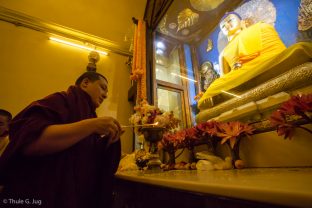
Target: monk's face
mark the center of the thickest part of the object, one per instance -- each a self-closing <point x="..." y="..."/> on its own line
<point x="230" y="25"/>
<point x="4" y="126"/>
<point x="96" y="89"/>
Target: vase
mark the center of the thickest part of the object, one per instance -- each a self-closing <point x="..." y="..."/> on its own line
<point x="153" y="135"/>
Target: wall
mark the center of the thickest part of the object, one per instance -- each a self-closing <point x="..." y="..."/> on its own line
<point x="33" y="67"/>
<point x="270" y="150"/>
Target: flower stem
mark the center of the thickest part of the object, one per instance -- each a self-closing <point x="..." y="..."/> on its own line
<point x="306" y="117"/>
<point x="180" y="153"/>
<point x="304" y="128"/>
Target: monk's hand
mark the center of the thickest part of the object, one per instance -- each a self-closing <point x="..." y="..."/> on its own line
<point x="108" y="127"/>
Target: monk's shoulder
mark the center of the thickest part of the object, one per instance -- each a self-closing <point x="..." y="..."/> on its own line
<point x="56" y="98"/>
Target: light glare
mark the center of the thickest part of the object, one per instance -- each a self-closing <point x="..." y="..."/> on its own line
<point x="77" y="45"/>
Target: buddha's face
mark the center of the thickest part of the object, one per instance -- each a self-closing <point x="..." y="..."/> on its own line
<point x="230" y="24"/>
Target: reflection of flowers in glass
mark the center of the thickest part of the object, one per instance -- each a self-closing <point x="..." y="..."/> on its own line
<point x="299" y="106"/>
<point x="148" y="114"/>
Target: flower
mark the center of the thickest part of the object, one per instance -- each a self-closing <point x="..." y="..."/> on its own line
<point x="297" y="105"/>
<point x="171" y="142"/>
<point x="149" y="114"/>
<point x="207" y="128"/>
<point x="191" y="136"/>
<point x="231" y="131"/>
<point x="283" y="119"/>
<point x="187" y="137"/>
<point x="278" y="120"/>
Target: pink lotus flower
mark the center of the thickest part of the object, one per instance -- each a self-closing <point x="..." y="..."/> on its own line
<point x="232" y="131"/>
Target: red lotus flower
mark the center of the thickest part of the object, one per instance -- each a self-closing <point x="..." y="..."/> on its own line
<point x="191" y="136"/>
<point x="231" y="131"/>
<point x="209" y="127"/>
<point x="171" y="142"/>
<point x="278" y="120"/>
<point x="191" y="133"/>
<point x="296" y="105"/>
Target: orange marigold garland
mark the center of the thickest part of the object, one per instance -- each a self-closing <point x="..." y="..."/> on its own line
<point x="138" y="73"/>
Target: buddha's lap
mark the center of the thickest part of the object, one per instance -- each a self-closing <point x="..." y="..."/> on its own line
<point x="257" y="72"/>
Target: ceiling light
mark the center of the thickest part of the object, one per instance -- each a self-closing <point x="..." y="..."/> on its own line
<point x="77" y="45"/>
<point x="159" y="51"/>
<point x="160" y="45"/>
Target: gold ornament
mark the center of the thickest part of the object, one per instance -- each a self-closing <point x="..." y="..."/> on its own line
<point x="209" y="45"/>
<point x="187" y="18"/>
<point x="305" y="15"/>
<point x="205" y="5"/>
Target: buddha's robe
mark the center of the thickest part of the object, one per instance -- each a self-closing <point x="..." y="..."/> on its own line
<point x="259" y="49"/>
<point x="253" y="45"/>
<point x="80" y="176"/>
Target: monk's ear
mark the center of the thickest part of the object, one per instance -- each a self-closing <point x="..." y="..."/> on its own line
<point x="85" y="82"/>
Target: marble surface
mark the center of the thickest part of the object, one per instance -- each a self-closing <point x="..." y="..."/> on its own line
<point x="281" y="186"/>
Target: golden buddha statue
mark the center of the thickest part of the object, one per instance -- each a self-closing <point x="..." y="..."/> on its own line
<point x="255" y="43"/>
<point x="251" y="51"/>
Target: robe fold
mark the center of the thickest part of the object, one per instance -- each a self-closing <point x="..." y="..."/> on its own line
<point x="80" y="176"/>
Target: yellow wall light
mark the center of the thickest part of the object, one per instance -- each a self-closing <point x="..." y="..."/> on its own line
<point x="77" y="45"/>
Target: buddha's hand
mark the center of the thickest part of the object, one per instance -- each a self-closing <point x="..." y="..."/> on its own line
<point x="237" y="65"/>
<point x="108" y="127"/>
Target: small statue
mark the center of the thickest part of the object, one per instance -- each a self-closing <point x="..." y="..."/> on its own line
<point x="207" y="75"/>
<point x="93" y="57"/>
<point x="141" y="157"/>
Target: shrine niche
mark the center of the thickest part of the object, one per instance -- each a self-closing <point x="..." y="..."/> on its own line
<point x="224" y="76"/>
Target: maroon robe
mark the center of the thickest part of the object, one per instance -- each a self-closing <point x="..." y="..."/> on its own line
<point x="80" y="176"/>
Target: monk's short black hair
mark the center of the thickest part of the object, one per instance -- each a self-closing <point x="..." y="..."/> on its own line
<point x="91" y="75"/>
<point x="6" y="114"/>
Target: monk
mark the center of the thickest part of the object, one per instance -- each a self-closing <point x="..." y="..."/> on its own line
<point x="61" y="154"/>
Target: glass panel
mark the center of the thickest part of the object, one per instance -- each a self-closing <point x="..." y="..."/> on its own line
<point x="192" y="82"/>
<point x="251" y="33"/>
<point x="170" y="101"/>
<point x="167" y="61"/>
